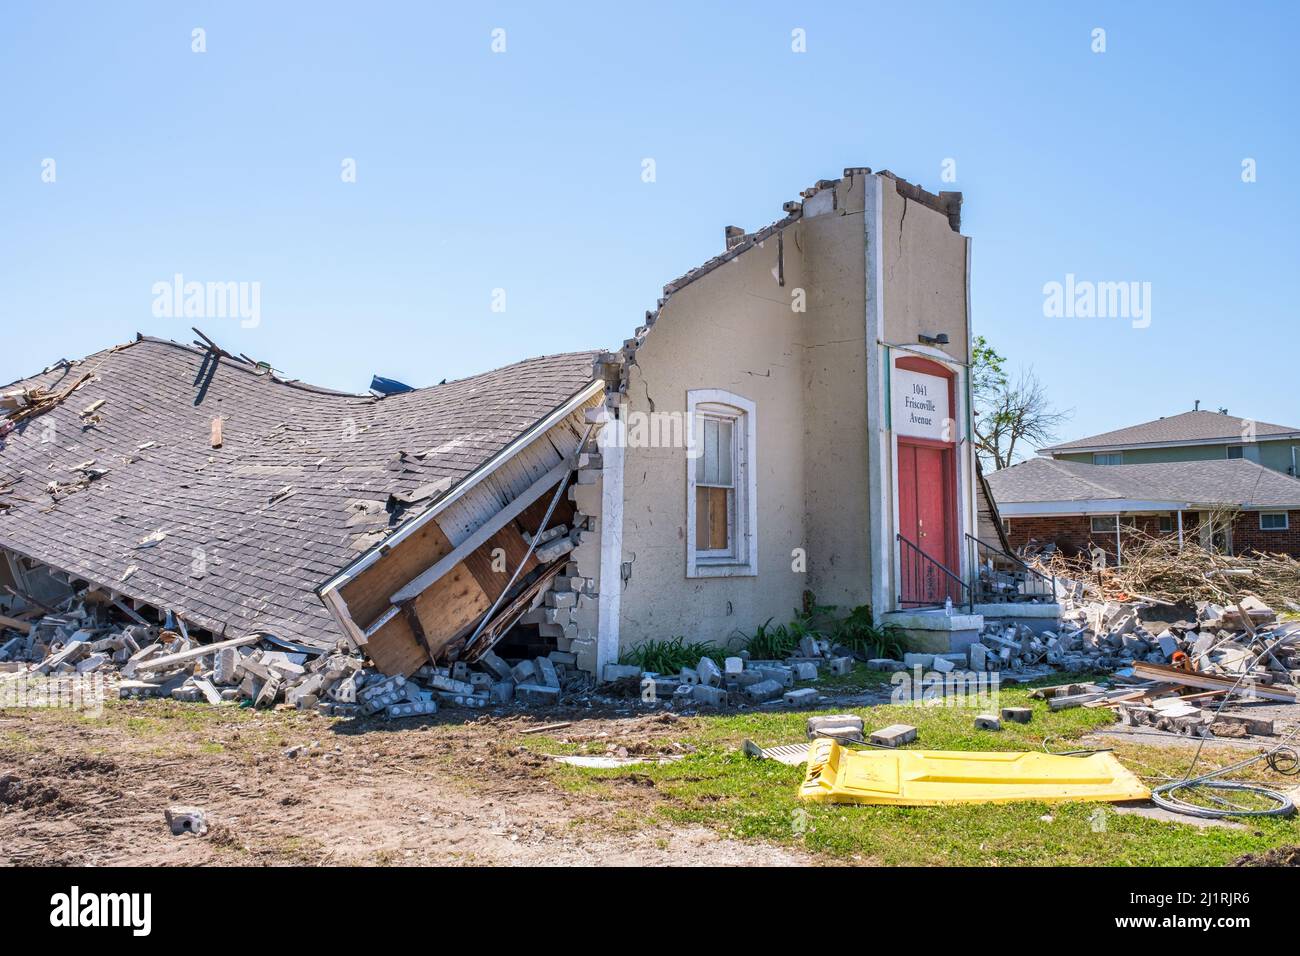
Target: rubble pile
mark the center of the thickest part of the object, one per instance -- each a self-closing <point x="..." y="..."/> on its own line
<point x="1159" y="568"/>
<point x="144" y="660"/>
<point x="740" y="679"/>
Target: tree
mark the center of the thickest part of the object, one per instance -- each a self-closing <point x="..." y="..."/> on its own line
<point x="1008" y="413"/>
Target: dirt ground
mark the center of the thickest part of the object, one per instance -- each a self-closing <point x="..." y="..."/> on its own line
<point x="289" y="788"/>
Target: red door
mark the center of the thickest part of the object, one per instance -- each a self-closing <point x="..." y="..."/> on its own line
<point x="926" y="523"/>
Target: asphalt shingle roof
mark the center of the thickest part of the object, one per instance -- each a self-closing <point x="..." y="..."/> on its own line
<point x="234" y="556"/>
<point x="1236" y="483"/>
<point x="1187" y="427"/>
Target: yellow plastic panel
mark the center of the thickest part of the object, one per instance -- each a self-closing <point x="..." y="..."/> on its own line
<point x="922" y="778"/>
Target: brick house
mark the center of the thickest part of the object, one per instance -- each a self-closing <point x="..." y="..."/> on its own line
<point x="1191" y="436"/>
<point x="1233" y="504"/>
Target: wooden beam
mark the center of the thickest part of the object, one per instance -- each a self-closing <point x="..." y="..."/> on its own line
<point x="167" y="660"/>
<point x="1173" y="675"/>
<point x="483" y="533"/>
<point x="17" y="625"/>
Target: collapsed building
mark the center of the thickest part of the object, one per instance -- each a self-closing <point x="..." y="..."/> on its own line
<point x="793" y="417"/>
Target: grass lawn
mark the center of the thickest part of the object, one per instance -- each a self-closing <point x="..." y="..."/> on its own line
<point x="717" y="786"/>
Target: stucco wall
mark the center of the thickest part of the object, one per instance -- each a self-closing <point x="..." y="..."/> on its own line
<point x="808" y="374"/>
<point x="835" y="433"/>
<point x="734" y="329"/>
<point x="731" y="329"/>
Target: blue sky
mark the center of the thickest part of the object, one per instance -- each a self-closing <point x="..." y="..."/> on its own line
<point x="521" y="171"/>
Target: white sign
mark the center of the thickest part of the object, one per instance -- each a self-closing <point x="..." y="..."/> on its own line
<point x="921" y="406"/>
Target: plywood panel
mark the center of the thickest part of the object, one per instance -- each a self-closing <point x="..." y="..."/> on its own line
<point x="367" y="594"/>
<point x="493" y="575"/>
<point x="395" y="650"/>
<point x="449" y="605"/>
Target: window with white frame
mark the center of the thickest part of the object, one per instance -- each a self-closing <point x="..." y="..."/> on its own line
<point x="1104" y="524"/>
<point x="721" y="508"/>
<point x="1273" y="521"/>
<point x="1108" y="458"/>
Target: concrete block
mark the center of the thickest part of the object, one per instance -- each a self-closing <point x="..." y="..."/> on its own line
<point x="270" y="692"/>
<point x="228" y="666"/>
<point x="621" y="671"/>
<point x="923" y="661"/>
<point x="988" y="722"/>
<point x="494" y="666"/>
<point x="782" y="675"/>
<point x="708" y="696"/>
<point x="977" y="655"/>
<point x="885" y="664"/>
<point x="805" y="670"/>
<point x="732" y="666"/>
<point x="524" y="672"/>
<point x="546" y="673"/>
<point x="1021" y="715"/>
<point x="561" y="599"/>
<point x="689" y="675"/>
<point x="448" y="685"/>
<point x="803" y="697"/>
<point x="895" y="735"/>
<point x="537" y="695"/>
<point x="839" y="666"/>
<point x="709" y="672"/>
<point x="835" y="725"/>
<point x="764" y="690"/>
<point x="942" y="665"/>
<point x="411" y="709"/>
<point x="502" y="692"/>
<point x="563" y="657"/>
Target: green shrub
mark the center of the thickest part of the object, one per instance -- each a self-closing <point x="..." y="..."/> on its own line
<point x="669" y="657"/>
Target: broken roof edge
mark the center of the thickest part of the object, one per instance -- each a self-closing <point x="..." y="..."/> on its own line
<point x="119" y="589"/>
<point x="270" y="374"/>
<point x="945" y="203"/>
<point x="328" y="591"/>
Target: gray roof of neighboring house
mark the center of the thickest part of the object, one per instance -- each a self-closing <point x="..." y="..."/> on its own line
<point x="1188" y="427"/>
<point x="236" y="557"/>
<point x="1237" y="483"/>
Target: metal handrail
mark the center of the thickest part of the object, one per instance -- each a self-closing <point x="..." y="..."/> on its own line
<point x="925" y="582"/>
<point x="1018" y="584"/>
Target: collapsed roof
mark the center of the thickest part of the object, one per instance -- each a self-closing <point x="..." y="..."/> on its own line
<point x="129" y="484"/>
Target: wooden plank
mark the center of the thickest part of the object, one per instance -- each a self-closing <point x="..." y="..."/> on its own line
<point x="394" y="648"/>
<point x="168" y="660"/>
<point x="367" y="594"/>
<point x="1162" y="672"/>
<point x="17" y="625"/>
<point x="470" y="544"/>
<point x="491" y="573"/>
<point x="449" y="605"/>
<point x="443" y="613"/>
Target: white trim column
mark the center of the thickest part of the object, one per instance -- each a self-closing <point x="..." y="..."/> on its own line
<point x="610" y="596"/>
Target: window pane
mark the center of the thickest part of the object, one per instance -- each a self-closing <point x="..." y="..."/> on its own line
<point x="725" y="446"/>
<point x="711" y="451"/>
<point x="1234" y="451"/>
